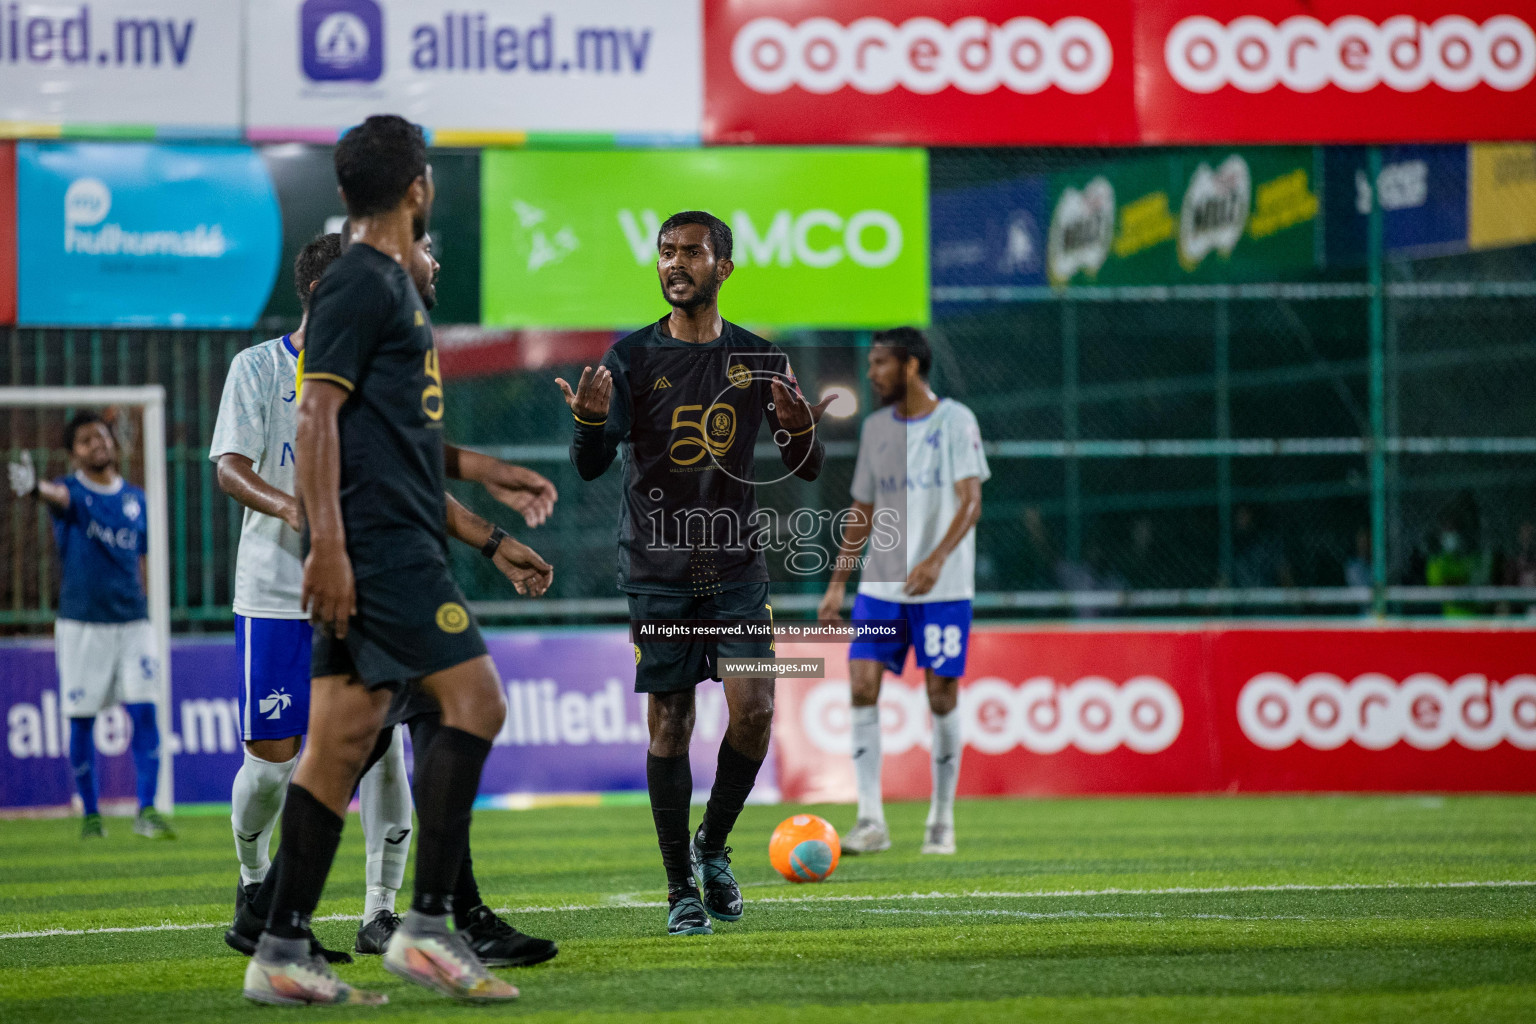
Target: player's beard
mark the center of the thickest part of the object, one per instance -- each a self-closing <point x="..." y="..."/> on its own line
<point x="896" y="394"/>
<point x="703" y="295"/>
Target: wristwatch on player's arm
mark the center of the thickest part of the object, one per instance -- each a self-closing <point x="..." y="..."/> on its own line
<point x="493" y="543"/>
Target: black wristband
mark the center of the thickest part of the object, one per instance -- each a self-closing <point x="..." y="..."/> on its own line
<point x="493" y="543"/>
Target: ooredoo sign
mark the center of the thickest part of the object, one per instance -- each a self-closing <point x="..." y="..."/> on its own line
<point x="1199" y="710"/>
<point x="1335" y="70"/>
<point x="975" y="72"/>
<point x="980" y="72"/>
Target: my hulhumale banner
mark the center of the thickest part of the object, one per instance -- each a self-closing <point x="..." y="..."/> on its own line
<point x="141" y="235"/>
<point x="823" y="237"/>
<point x="1201" y="215"/>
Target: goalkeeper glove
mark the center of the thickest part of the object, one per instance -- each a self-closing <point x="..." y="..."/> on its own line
<point x="23" y="475"/>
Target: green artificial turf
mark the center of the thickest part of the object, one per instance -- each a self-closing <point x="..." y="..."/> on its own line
<point x="1316" y="909"/>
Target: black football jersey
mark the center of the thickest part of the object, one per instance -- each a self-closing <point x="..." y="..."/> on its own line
<point x="369" y="333"/>
<point x="686" y="417"/>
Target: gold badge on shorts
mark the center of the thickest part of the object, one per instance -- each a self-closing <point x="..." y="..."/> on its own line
<point x="637" y="654"/>
<point x="452" y="618"/>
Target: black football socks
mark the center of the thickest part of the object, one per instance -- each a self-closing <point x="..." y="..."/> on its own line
<point x="670" y="781"/>
<point x="311" y="833"/>
<point x="466" y="893"/>
<point x="447" y="779"/>
<point x="735" y="774"/>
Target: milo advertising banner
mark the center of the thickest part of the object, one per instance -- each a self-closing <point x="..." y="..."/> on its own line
<point x="823" y="237"/>
<point x="1197" y="216"/>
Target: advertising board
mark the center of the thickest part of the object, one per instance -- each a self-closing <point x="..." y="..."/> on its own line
<point x="496" y="71"/>
<point x="144" y="235"/>
<point x="144" y="68"/>
<point x="823" y="237"/>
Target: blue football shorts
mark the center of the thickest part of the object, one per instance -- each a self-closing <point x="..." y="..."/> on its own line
<point x="274" y="677"/>
<point x="938" y="632"/>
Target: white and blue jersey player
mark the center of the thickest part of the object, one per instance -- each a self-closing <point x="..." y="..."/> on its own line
<point x="917" y="491"/>
<point x="253" y="442"/>
<point x="102" y="637"/>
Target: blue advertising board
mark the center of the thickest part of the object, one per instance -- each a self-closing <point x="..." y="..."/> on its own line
<point x="1423" y="195"/>
<point x="143" y="235"/>
<point x="990" y="235"/>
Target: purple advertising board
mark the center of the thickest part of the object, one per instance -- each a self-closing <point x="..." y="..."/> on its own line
<point x="574" y="723"/>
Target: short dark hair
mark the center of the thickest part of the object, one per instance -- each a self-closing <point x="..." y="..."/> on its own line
<point x="311" y="262"/>
<point x="912" y="343"/>
<point x="376" y="162"/>
<point x="81" y="420"/>
<point x="719" y="230"/>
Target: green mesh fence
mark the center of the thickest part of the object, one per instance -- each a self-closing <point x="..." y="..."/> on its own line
<point x="1204" y="449"/>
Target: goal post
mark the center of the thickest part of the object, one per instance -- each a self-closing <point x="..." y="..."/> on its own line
<point x="150" y="398"/>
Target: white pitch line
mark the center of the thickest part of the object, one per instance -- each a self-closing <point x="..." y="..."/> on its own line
<point x="1034" y="915"/>
<point x="624" y="903"/>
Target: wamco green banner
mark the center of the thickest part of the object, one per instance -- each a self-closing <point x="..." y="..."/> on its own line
<point x="1202" y="215"/>
<point x="823" y="237"/>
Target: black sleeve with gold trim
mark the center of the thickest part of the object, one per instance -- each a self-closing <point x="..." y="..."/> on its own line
<point x="369" y="333"/>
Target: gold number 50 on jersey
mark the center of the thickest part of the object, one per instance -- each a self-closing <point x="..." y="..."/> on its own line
<point x="712" y="433"/>
<point x="432" y="395"/>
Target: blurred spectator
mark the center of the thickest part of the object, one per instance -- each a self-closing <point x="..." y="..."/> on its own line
<point x="1139" y="566"/>
<point x="1071" y="574"/>
<point x="1455" y="559"/>
<point x="1519" y="568"/>
<point x="1258" y="553"/>
<point x="1357" y="568"/>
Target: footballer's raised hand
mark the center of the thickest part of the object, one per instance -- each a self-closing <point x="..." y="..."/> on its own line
<point x="529" y="574"/>
<point x="795" y="415"/>
<point x="589" y="402"/>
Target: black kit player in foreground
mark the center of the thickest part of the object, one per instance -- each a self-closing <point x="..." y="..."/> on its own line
<point x="684" y="399"/>
<point x="493" y="940"/>
<point x="377" y="585"/>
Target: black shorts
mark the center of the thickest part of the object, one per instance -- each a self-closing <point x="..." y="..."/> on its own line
<point x="667" y="666"/>
<point x="410" y="623"/>
<point x="410" y="701"/>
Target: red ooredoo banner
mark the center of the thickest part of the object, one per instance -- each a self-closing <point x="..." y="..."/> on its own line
<point x="986" y="72"/>
<point x="938" y="72"/>
<point x="1201" y="710"/>
<point x="1335" y="70"/>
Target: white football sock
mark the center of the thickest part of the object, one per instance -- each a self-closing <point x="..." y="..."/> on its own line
<point x="257" y="798"/>
<point x="380" y="897"/>
<point x="946" y="768"/>
<point x="385" y="799"/>
<point x="866" y="762"/>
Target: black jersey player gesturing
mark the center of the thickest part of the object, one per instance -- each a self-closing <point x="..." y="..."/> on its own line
<point x="684" y="399"/>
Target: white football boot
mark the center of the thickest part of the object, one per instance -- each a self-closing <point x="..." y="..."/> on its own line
<point x="868" y="836"/>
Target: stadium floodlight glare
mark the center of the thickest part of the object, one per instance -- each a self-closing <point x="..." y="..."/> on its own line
<point x="149" y="398"/>
<point x="844" y="401"/>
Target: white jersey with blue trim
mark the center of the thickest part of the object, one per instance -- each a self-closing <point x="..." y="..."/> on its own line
<point x="907" y="469"/>
<point x="259" y="418"/>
